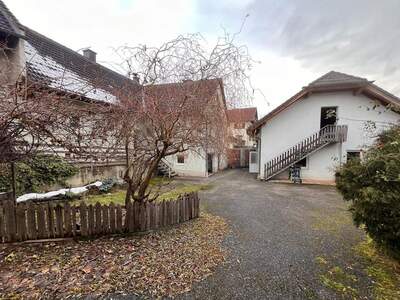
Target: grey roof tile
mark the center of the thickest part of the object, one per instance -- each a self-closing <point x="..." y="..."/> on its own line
<point x="8" y="22"/>
<point x="57" y="66"/>
<point x="334" y="78"/>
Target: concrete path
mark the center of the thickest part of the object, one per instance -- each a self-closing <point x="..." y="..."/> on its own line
<point x="283" y="236"/>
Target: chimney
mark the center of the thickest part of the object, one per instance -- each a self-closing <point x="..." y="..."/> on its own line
<point x="90" y="55"/>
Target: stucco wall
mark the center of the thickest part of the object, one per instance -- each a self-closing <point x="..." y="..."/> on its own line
<point x="195" y="164"/>
<point x="248" y="141"/>
<point x="302" y="119"/>
<point x="90" y="174"/>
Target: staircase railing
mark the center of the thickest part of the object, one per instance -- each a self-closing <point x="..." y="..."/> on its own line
<point x="167" y="164"/>
<point x="326" y="135"/>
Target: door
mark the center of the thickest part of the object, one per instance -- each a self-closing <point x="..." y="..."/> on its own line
<point x="209" y="163"/>
<point x="253" y="164"/>
<point x="328" y="116"/>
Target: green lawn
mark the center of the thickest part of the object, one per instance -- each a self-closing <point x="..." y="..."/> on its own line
<point x="118" y="197"/>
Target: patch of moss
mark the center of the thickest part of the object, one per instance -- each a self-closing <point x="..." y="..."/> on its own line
<point x="336" y="279"/>
<point x="384" y="270"/>
<point x="321" y="260"/>
<point x="338" y="286"/>
<point x="381" y="268"/>
<point x="332" y="223"/>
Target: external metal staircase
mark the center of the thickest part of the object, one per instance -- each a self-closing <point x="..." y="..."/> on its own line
<point x="166" y="170"/>
<point x="325" y="136"/>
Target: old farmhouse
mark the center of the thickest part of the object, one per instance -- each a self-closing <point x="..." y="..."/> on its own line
<point x="37" y="60"/>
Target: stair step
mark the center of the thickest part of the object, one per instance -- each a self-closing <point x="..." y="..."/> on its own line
<point x="325" y="136"/>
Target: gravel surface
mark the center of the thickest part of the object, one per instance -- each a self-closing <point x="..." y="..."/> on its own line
<point x="279" y="234"/>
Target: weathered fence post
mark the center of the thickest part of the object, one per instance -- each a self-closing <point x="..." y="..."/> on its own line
<point x="98" y="217"/>
<point x="130" y="213"/>
<point x="21" y="222"/>
<point x="119" y="219"/>
<point x="73" y="219"/>
<point x="43" y="231"/>
<point x="84" y="219"/>
<point x="128" y="217"/>
<point x="59" y="221"/>
<point x="67" y="219"/>
<point x="31" y="218"/>
<point x="112" y="217"/>
<point x="50" y="219"/>
<point x="106" y="220"/>
<point x="11" y="227"/>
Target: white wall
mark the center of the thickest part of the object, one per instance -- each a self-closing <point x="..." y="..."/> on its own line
<point x="302" y="119"/>
<point x="248" y="140"/>
<point x="194" y="165"/>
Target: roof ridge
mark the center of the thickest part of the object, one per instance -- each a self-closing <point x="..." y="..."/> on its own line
<point x="74" y="52"/>
<point x="344" y="77"/>
<point x="183" y="82"/>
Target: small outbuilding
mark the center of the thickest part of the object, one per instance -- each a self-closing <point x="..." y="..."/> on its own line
<point x="333" y="119"/>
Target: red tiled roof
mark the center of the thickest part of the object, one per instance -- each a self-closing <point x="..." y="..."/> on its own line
<point x="240" y="115"/>
<point x="200" y="91"/>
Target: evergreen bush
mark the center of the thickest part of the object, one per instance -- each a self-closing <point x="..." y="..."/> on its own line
<point x="36" y="173"/>
<point x="372" y="186"/>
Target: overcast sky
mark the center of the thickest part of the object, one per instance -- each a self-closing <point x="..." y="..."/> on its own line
<point x="296" y="41"/>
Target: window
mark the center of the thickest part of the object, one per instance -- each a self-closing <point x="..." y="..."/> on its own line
<point x="328" y="116"/>
<point x="239" y="125"/>
<point x="180" y="159"/>
<point x="239" y="141"/>
<point x="302" y="163"/>
<point x="353" y="155"/>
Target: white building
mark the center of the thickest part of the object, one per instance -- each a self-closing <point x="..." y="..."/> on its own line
<point x="351" y="110"/>
<point x="208" y="159"/>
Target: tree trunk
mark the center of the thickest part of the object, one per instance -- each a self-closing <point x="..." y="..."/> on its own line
<point x="128" y="195"/>
<point x="149" y="174"/>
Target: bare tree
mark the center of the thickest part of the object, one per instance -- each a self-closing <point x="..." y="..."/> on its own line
<point x="179" y="106"/>
<point x="186" y="88"/>
<point x="36" y="117"/>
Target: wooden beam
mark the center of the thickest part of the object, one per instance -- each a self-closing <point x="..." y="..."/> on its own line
<point x="358" y="91"/>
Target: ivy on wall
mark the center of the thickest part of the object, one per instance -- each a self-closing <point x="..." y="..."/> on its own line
<point x="37" y="173"/>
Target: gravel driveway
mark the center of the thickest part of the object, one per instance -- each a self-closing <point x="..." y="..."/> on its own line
<point x="284" y="239"/>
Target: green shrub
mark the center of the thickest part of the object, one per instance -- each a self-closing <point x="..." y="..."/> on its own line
<point x="373" y="188"/>
<point x="108" y="185"/>
<point x="36" y="173"/>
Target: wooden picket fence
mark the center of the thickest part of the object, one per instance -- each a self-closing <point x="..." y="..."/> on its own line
<point x="34" y="221"/>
